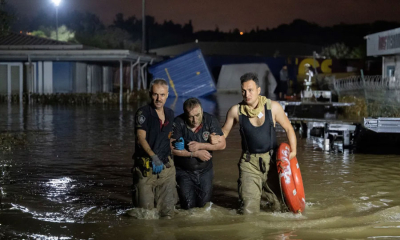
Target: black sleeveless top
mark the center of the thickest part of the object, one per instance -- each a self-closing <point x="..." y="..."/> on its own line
<point x="260" y="139"/>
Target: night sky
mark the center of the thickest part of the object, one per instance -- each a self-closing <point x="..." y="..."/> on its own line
<point x="229" y="14"/>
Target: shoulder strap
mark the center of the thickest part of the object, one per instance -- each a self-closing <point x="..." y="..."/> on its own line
<point x="269" y="113"/>
<point x="243" y="135"/>
<point x="272" y="127"/>
<point x="269" y="104"/>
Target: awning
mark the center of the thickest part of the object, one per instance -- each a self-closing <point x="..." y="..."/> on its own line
<point x="75" y="55"/>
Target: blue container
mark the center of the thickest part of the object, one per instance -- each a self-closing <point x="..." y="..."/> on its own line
<point x="187" y="74"/>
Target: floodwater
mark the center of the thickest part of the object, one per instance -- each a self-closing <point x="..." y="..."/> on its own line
<point x="73" y="181"/>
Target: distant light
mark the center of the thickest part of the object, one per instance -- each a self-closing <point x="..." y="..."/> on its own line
<point x="196" y="41"/>
<point x="56" y="2"/>
<point x="241" y="33"/>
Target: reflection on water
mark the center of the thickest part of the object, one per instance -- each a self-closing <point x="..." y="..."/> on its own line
<point x="73" y="182"/>
<point x="58" y="188"/>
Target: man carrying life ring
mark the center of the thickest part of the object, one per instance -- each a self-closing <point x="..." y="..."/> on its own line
<point x="256" y="116"/>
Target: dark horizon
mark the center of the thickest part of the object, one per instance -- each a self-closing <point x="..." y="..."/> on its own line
<point x="226" y="15"/>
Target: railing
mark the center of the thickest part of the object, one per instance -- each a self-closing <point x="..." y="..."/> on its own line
<point x="368" y="82"/>
<point x="380" y="96"/>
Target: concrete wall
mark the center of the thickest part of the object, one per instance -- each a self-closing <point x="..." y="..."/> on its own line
<point x="48" y="77"/>
<point x="80" y="74"/>
<point x="107" y="79"/>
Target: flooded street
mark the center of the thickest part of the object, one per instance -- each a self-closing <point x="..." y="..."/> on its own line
<point x="73" y="181"/>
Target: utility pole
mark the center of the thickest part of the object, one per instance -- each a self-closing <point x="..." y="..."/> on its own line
<point x="143" y="26"/>
<point x="57" y="22"/>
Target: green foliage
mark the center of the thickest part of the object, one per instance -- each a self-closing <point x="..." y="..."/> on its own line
<point x="39" y="33"/>
<point x="337" y="50"/>
<point x="64" y="34"/>
<point x="110" y="38"/>
<point x="341" y="51"/>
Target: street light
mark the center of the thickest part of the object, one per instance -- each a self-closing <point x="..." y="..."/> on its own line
<point x="56" y="3"/>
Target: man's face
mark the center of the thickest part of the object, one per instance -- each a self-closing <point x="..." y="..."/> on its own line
<point x="250" y="92"/>
<point x="194" y="116"/>
<point x="159" y="94"/>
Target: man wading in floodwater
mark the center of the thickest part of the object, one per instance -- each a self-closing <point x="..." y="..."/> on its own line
<point x="256" y="116"/>
<point x="154" y="172"/>
<point x="193" y="155"/>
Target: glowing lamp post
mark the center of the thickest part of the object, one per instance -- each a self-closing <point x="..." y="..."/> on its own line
<point x="56" y="3"/>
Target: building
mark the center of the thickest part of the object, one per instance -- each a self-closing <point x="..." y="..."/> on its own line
<point x="386" y="45"/>
<point x="31" y="64"/>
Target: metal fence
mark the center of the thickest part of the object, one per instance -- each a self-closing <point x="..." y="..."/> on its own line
<point x="367" y="82"/>
<point x="381" y="95"/>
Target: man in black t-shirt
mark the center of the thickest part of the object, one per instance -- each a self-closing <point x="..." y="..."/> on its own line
<point x="154" y="183"/>
<point x="194" y="168"/>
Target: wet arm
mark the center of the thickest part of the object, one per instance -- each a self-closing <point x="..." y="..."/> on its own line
<point x="179" y="153"/>
<point x="141" y="135"/>
<point x="281" y="118"/>
<point x="230" y="121"/>
<point x="211" y="147"/>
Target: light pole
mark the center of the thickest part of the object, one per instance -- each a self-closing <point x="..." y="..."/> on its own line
<point x="143" y="26"/>
<point x="56" y="3"/>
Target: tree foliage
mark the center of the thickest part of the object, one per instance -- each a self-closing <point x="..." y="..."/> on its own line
<point x="89" y="29"/>
<point x="341" y="51"/>
<point x="110" y="38"/>
<point x="64" y="34"/>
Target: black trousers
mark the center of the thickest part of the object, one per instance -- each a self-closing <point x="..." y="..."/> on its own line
<point x="194" y="187"/>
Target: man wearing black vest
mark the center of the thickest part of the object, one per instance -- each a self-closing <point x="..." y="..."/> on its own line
<point x="256" y="116"/>
<point x="193" y="153"/>
<point x="154" y="181"/>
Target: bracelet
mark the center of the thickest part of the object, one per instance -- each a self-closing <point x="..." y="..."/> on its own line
<point x="191" y="154"/>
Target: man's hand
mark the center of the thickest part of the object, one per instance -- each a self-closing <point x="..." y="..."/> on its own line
<point x="292" y="155"/>
<point x="157" y="164"/>
<point x="214" y="138"/>
<point x="194" y="146"/>
<point x="204" y="155"/>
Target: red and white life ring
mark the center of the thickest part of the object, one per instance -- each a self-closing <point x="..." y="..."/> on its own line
<point x="290" y="178"/>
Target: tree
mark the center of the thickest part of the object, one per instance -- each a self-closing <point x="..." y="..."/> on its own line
<point x="337" y="51"/>
<point x="64" y="34"/>
<point x="110" y="38"/>
<point x="5" y="19"/>
<point x="341" y="51"/>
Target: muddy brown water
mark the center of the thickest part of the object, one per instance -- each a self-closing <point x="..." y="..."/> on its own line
<point x="73" y="181"/>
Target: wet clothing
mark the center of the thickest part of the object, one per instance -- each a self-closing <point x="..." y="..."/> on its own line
<point x="155" y="190"/>
<point x="209" y="125"/>
<point x="194" y="187"/>
<point x="252" y="140"/>
<point x="150" y="190"/>
<point x="258" y="177"/>
<point x="157" y="134"/>
<point x="194" y="176"/>
<point x="255" y="163"/>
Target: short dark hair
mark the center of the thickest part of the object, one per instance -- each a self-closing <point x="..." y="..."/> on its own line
<point x="190" y="103"/>
<point x="249" y="76"/>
